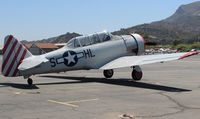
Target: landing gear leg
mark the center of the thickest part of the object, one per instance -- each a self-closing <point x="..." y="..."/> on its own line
<point x="108" y="73"/>
<point x="30" y="82"/>
<point x="137" y="73"/>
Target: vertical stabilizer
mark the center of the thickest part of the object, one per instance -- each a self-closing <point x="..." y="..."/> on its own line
<point x="13" y="54"/>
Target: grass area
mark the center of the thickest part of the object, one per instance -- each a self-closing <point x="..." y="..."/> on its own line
<point x="179" y="47"/>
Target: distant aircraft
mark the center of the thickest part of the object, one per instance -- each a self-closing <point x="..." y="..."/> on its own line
<point x="97" y="51"/>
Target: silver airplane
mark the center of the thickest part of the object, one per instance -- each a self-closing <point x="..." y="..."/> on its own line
<point x="102" y="51"/>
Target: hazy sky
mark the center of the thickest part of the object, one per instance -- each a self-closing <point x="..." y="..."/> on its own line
<point x="39" y="19"/>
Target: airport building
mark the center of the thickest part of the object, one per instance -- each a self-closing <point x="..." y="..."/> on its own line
<point x="60" y="45"/>
<point x="41" y="48"/>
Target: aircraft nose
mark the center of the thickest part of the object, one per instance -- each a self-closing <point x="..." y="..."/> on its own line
<point x="142" y="39"/>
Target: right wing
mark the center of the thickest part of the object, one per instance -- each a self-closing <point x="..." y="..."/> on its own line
<point x="128" y="61"/>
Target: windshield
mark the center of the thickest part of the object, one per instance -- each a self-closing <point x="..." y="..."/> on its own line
<point x="89" y="40"/>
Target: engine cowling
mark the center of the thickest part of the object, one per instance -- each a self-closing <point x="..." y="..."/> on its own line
<point x="135" y="43"/>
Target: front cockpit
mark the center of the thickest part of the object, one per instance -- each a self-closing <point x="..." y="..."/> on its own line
<point x="89" y="40"/>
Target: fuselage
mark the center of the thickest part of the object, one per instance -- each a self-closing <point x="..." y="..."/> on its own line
<point x="91" y="56"/>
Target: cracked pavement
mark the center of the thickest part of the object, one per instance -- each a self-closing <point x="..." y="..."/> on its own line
<point x="168" y="90"/>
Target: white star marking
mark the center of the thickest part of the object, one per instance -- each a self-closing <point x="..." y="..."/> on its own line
<point x="70" y="58"/>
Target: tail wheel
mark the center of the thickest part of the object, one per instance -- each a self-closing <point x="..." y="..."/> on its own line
<point x="137" y="73"/>
<point x="108" y="73"/>
<point x="30" y="82"/>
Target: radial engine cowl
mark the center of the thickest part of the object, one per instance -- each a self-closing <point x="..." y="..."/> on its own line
<point x="134" y="43"/>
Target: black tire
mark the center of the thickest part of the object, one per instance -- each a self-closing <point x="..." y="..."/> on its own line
<point x="30" y="82"/>
<point x="108" y="73"/>
<point x="136" y="75"/>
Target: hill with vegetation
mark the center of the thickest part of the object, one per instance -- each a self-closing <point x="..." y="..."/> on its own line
<point x="183" y="26"/>
<point x="58" y="39"/>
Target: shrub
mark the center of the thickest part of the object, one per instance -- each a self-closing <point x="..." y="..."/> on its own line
<point x="184" y="47"/>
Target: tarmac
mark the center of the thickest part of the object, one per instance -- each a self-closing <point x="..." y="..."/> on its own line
<point x="169" y="90"/>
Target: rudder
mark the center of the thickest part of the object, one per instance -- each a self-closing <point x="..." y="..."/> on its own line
<point x="13" y="54"/>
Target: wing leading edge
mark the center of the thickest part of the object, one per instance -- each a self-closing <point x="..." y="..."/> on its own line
<point x="129" y="61"/>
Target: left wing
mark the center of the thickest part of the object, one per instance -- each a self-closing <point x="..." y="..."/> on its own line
<point x="129" y="61"/>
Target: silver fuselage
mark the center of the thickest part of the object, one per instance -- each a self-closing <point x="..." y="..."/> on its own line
<point x="85" y="57"/>
<point x="93" y="57"/>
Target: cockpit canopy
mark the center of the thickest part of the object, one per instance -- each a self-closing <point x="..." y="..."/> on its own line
<point x="89" y="40"/>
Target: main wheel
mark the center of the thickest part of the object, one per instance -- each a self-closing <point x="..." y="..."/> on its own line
<point x="30" y="82"/>
<point x="108" y="73"/>
<point x="137" y="73"/>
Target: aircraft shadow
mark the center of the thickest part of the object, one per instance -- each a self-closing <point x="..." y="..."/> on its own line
<point x="121" y="82"/>
<point x="19" y="86"/>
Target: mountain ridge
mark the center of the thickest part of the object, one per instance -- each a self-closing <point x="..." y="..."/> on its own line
<point x="183" y="25"/>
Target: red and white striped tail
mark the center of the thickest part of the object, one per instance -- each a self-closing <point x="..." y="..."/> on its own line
<point x="13" y="54"/>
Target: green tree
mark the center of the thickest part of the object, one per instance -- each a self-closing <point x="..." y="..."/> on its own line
<point x="176" y="42"/>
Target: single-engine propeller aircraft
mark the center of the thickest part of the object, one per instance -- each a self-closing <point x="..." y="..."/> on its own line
<point x="97" y="51"/>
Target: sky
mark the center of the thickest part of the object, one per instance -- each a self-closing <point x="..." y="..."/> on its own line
<point x="40" y="19"/>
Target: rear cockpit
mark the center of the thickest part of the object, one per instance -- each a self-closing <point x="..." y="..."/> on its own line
<point x="89" y="40"/>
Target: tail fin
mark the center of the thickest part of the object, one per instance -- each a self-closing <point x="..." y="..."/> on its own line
<point x="13" y="54"/>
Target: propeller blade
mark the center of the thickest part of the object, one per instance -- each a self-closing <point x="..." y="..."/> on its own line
<point x="150" y="43"/>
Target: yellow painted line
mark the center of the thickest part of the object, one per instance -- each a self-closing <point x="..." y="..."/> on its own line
<point x="63" y="103"/>
<point x="69" y="103"/>
<point x="17" y="93"/>
<point x="87" y="100"/>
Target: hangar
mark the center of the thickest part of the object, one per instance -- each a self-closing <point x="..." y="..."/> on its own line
<point x="41" y="48"/>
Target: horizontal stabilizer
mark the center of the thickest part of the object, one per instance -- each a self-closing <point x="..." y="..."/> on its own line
<point x="32" y="62"/>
